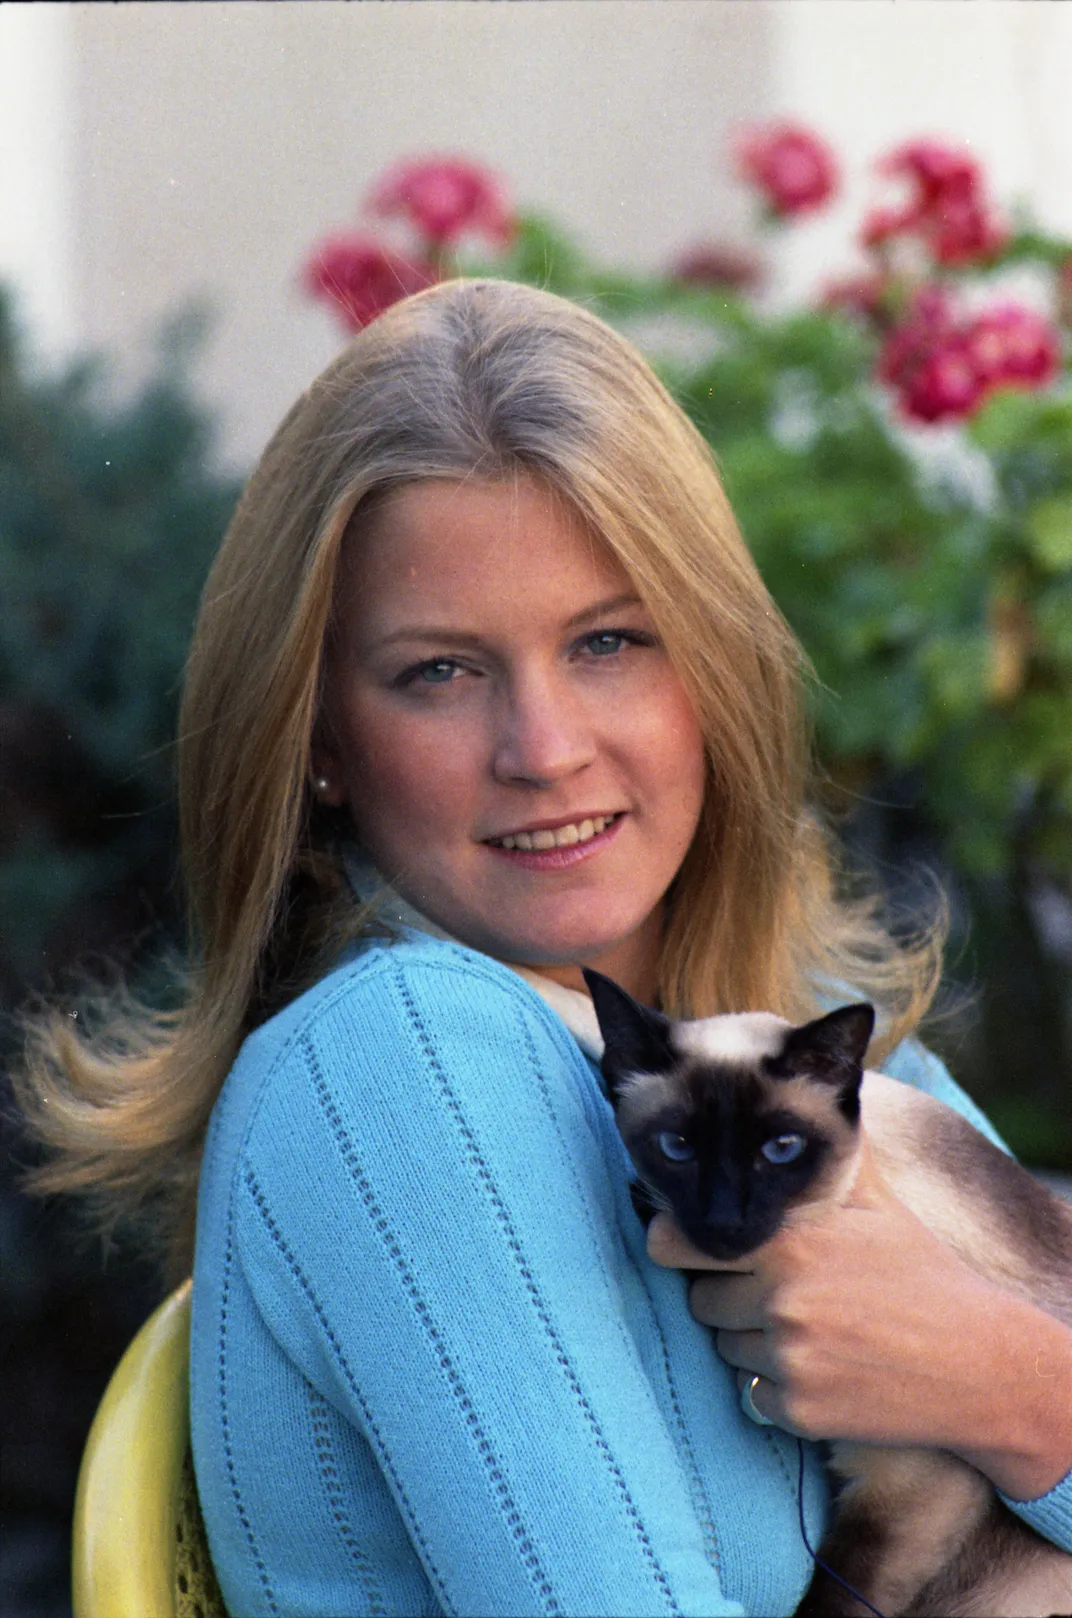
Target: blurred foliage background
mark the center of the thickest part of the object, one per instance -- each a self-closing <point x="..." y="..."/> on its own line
<point x="109" y="515"/>
<point x="927" y="570"/>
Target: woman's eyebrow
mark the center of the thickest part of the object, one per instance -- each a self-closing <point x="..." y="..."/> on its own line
<point x="443" y="632"/>
<point x="433" y="633"/>
<point x="627" y="598"/>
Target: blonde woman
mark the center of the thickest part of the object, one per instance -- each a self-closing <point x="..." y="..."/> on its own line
<point x="485" y="687"/>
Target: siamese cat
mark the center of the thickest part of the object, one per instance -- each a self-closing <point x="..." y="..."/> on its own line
<point x="738" y="1124"/>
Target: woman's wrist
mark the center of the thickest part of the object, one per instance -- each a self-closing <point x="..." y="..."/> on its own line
<point x="1026" y="1447"/>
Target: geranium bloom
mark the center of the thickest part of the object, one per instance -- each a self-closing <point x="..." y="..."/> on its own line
<point x="794" y="169"/>
<point x="943" y="383"/>
<point x="444" y="197"/>
<point x="928" y="322"/>
<point x="962" y="231"/>
<point x="943" y="365"/>
<point x="361" y="277"/>
<point x="946" y="210"/>
<point x="1013" y="346"/>
<point x="938" y="171"/>
<point x="927" y="361"/>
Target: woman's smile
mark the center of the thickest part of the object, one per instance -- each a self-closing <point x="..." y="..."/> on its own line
<point x="519" y="755"/>
<point x="558" y="847"/>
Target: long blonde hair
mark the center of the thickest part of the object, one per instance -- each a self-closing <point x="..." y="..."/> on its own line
<point x="471" y="378"/>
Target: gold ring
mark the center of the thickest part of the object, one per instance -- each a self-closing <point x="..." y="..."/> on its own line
<point x="748" y="1404"/>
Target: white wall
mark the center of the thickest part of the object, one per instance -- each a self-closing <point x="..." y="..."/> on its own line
<point x="994" y="75"/>
<point x="37" y="207"/>
<point x="155" y="151"/>
<point x="213" y="144"/>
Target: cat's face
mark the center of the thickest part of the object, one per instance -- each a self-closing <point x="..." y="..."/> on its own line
<point x="732" y="1120"/>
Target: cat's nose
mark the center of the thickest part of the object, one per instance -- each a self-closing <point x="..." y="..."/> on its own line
<point x="725" y="1209"/>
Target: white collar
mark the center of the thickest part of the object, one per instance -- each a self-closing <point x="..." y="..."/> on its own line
<point x="574" y="1008"/>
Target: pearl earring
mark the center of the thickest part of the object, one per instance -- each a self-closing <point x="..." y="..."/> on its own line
<point x="321" y="784"/>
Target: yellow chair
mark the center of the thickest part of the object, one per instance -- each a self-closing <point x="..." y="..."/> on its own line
<point x="139" y="1541"/>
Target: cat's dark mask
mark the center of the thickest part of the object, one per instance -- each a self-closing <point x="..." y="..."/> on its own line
<point x="719" y="1134"/>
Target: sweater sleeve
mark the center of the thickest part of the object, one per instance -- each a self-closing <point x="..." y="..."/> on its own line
<point x="1051" y="1515"/>
<point x="426" y="1222"/>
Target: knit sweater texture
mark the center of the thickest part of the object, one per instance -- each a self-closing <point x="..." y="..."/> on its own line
<point x="432" y="1369"/>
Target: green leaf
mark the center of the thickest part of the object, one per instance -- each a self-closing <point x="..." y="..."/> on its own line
<point x="1049" y="529"/>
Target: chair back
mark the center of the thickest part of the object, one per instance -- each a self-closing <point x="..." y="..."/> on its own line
<point x="138" y="1537"/>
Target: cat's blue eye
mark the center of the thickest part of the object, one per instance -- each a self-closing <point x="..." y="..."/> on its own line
<point x="783" y="1149"/>
<point x="675" y="1147"/>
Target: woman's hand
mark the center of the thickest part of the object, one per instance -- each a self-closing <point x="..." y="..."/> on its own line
<point x="862" y="1325"/>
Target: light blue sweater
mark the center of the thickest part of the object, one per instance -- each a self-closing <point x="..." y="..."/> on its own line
<point x="433" y="1369"/>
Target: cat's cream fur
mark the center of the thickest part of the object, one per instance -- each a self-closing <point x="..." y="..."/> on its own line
<point x="938" y="1510"/>
<point x="918" y="1532"/>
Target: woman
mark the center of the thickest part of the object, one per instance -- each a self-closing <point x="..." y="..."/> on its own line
<point x="484" y="648"/>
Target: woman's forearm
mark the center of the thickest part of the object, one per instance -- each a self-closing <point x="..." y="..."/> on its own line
<point x="1028" y="1448"/>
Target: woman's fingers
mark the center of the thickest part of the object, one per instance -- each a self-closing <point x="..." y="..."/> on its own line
<point x="750" y="1351"/>
<point x="759" y="1400"/>
<point x="668" y="1246"/>
<point x="729" y="1302"/>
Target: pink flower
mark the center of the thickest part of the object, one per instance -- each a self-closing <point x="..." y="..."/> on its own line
<point x="943" y="384"/>
<point x="946" y="209"/>
<point x="928" y="361"/>
<point x="793" y="168"/>
<point x="362" y="278"/>
<point x="1013" y="347"/>
<point x="717" y="264"/>
<point x="937" y="170"/>
<point x="444" y="197"/>
<point x="961" y="231"/>
<point x="928" y="323"/>
<point x="943" y="366"/>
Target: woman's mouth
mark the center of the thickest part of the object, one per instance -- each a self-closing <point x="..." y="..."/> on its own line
<point x="557" y="848"/>
<point x="567" y="836"/>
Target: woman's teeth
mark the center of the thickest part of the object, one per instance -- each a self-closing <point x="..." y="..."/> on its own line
<point x="562" y="836"/>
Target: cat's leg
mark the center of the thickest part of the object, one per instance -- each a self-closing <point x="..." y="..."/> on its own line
<point x="900" y="1520"/>
<point x="1004" y="1567"/>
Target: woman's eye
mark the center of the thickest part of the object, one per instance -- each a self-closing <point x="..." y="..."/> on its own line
<point x="436" y="671"/>
<point x="609" y="642"/>
<point x="675" y="1147"/>
<point x="606" y="642"/>
<point x="783" y="1149"/>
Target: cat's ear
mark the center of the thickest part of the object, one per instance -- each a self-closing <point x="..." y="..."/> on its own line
<point x="832" y="1048"/>
<point x="635" y="1038"/>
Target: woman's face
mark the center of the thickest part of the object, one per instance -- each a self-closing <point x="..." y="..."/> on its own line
<point x="519" y="756"/>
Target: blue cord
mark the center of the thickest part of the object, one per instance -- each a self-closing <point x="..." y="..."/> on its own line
<point x="816" y="1559"/>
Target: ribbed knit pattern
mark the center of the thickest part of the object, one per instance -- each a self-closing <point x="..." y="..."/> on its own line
<point x="433" y="1370"/>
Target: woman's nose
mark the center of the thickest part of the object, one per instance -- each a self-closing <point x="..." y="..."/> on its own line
<point x="543" y="736"/>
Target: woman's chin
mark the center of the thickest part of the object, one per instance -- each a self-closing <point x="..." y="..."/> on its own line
<point x="626" y="957"/>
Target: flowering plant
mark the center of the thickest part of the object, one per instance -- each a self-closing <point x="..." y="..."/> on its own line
<point x="442" y="200"/>
<point x="793" y="169"/>
<point x="899" y="454"/>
